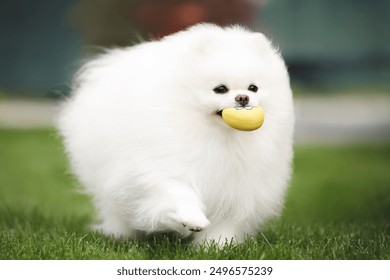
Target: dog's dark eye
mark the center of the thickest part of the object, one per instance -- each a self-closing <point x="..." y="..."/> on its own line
<point x="221" y="89"/>
<point x="253" y="88"/>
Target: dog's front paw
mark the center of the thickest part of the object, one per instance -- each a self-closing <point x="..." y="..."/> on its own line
<point x="193" y="228"/>
<point x="190" y="220"/>
<point x="196" y="226"/>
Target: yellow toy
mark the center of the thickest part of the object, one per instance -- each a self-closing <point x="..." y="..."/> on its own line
<point x="247" y="118"/>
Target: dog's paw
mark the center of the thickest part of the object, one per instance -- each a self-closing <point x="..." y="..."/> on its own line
<point x="196" y="227"/>
<point x="193" y="228"/>
<point x="193" y="221"/>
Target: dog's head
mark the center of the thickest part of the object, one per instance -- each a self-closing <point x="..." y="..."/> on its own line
<point x="231" y="68"/>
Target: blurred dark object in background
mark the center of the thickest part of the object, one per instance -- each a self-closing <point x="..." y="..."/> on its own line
<point x="38" y="49"/>
<point x="333" y="43"/>
<point x="119" y="22"/>
<point x="328" y="44"/>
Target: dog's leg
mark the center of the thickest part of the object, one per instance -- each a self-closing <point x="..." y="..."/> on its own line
<point x="171" y="206"/>
<point x="114" y="224"/>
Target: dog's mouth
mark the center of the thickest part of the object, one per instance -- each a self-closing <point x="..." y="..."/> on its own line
<point x="246" y="118"/>
<point x="219" y="112"/>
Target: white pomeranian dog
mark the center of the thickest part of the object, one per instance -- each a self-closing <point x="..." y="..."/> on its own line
<point x="146" y="134"/>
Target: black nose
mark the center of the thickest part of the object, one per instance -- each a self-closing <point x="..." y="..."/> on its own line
<point x="242" y="99"/>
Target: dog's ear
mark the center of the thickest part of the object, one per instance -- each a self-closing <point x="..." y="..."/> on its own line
<point x="260" y="37"/>
<point x="261" y="41"/>
<point x="205" y="39"/>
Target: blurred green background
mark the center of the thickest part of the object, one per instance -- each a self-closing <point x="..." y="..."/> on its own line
<point x="338" y="55"/>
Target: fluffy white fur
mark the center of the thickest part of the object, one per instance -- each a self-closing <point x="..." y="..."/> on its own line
<point x="143" y="136"/>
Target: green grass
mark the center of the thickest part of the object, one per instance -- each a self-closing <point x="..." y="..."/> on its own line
<point x="338" y="207"/>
